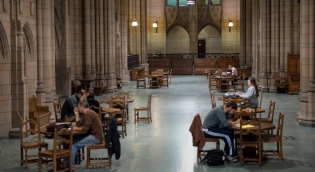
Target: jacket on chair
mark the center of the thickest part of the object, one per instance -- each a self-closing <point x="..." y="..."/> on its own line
<point x="112" y="139"/>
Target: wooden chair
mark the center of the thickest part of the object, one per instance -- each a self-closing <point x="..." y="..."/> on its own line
<point x="57" y="108"/>
<point x="99" y="160"/>
<point x="71" y="119"/>
<point x="253" y="110"/>
<point x="271" y="112"/>
<point x="213" y="104"/>
<point x="250" y="138"/>
<point x="120" y="102"/>
<point x="25" y="146"/>
<point x="213" y="83"/>
<point x="239" y="84"/>
<point x="154" y="80"/>
<point x="212" y="96"/>
<point x="126" y="95"/>
<point x="58" y="153"/>
<point x="148" y="109"/>
<point x="275" y="138"/>
<point x="200" y="151"/>
<point x="140" y="77"/>
<point x="169" y="77"/>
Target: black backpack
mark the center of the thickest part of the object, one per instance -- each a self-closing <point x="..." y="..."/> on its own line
<point x="214" y="157"/>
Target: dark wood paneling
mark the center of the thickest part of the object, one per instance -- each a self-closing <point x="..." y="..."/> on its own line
<point x="133" y="61"/>
<point x="225" y="62"/>
<point x="182" y="66"/>
<point x="164" y="64"/>
<point x="201" y="64"/>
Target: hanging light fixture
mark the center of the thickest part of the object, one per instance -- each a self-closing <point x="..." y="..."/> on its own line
<point x="230" y="25"/>
<point x="155" y="25"/>
<point x="134" y="22"/>
<point x="191" y="2"/>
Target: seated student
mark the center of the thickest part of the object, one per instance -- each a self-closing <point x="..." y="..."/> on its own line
<point x="234" y="72"/>
<point x="71" y="103"/>
<point x="89" y="123"/>
<point x="252" y="92"/>
<point x="215" y="124"/>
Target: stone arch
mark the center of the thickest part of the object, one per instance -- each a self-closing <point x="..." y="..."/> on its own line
<point x="213" y="39"/>
<point x="178" y="40"/>
<point x="29" y="43"/>
<point x="4" y="45"/>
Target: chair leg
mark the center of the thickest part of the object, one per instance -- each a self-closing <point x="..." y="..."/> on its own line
<point x="148" y="116"/>
<point x="135" y="116"/>
<point x="87" y="158"/>
<point x="21" y="149"/>
<point x="109" y="159"/>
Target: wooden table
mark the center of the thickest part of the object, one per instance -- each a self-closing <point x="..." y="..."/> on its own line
<point x="128" y="100"/>
<point x="248" y="109"/>
<point x="264" y="126"/>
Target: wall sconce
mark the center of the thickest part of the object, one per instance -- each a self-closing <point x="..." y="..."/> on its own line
<point x="155" y="25"/>
<point x="191" y="2"/>
<point x="230" y="25"/>
<point x="134" y="22"/>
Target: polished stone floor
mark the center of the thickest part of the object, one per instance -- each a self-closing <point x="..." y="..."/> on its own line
<point x="166" y="144"/>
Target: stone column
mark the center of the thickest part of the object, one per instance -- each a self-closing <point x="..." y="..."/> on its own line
<point x="143" y="32"/>
<point x="242" y="32"/>
<point x="193" y="29"/>
<point x="87" y="39"/>
<point x="78" y="41"/>
<point x="46" y="51"/>
<point x="53" y="55"/>
<point x="40" y="64"/>
<point x="97" y="40"/>
<point x="274" y="63"/>
<point x="93" y="46"/>
<point x="286" y="37"/>
<point x="307" y="99"/>
<point x="102" y="55"/>
<point x="248" y="35"/>
<point x="124" y="34"/>
<point x="264" y="43"/>
<point x="255" y="38"/>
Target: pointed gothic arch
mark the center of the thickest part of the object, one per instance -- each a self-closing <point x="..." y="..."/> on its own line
<point x="4" y="45"/>
<point x="29" y="43"/>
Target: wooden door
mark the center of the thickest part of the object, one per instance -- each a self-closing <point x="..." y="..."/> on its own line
<point x="201" y="48"/>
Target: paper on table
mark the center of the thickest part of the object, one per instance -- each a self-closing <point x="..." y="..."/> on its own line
<point x="244" y="126"/>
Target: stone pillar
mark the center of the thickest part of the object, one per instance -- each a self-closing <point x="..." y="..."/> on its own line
<point x="53" y="55"/>
<point x="193" y="29"/>
<point x="124" y="35"/>
<point x="255" y="39"/>
<point x="46" y="51"/>
<point x="93" y="47"/>
<point x="40" y="64"/>
<point x="102" y="55"/>
<point x="78" y="41"/>
<point x="307" y="99"/>
<point x="242" y="32"/>
<point x="264" y="43"/>
<point x="97" y="40"/>
<point x="87" y="39"/>
<point x="248" y="35"/>
<point x="286" y="38"/>
<point x="143" y="32"/>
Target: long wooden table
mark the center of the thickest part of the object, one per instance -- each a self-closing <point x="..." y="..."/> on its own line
<point x="248" y="109"/>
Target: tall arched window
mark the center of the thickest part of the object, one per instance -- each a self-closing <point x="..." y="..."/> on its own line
<point x="171" y="2"/>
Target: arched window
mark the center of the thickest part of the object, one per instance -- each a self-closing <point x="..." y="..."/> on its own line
<point x="171" y="2"/>
<point x="216" y="2"/>
<point x="203" y="2"/>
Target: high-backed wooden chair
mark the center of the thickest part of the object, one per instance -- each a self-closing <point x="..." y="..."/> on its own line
<point x="213" y="83"/>
<point x="140" y="77"/>
<point x="169" y="77"/>
<point x="25" y="146"/>
<point x="275" y="138"/>
<point x="120" y="102"/>
<point x="212" y="96"/>
<point x="147" y="109"/>
<point x="154" y="80"/>
<point x="57" y="108"/>
<point x="200" y="138"/>
<point x="271" y="112"/>
<point x="249" y="137"/>
<point x="239" y="84"/>
<point x="62" y="138"/>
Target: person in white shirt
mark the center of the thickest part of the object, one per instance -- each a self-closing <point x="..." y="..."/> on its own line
<point x="252" y="92"/>
<point x="233" y="70"/>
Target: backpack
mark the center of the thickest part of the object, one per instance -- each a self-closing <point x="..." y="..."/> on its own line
<point x="214" y="157"/>
<point x="57" y="125"/>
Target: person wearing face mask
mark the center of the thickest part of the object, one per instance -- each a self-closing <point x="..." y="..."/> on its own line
<point x="215" y="124"/>
<point x="71" y="103"/>
<point x="252" y="92"/>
